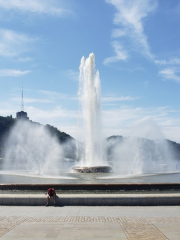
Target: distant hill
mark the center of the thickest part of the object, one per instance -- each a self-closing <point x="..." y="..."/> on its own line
<point x="113" y="143"/>
<point x="7" y="123"/>
<point x="73" y="148"/>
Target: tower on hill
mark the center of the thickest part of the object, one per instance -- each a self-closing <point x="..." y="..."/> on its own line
<point x="22" y="114"/>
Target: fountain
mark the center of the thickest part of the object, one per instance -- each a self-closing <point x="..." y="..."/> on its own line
<point x="34" y="154"/>
<point x="90" y="100"/>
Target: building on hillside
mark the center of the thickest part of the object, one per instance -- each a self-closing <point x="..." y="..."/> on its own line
<point x="22" y="115"/>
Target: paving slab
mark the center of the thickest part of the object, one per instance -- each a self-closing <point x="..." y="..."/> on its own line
<point x="77" y="223"/>
<point x="170" y="230"/>
<point x="75" y="231"/>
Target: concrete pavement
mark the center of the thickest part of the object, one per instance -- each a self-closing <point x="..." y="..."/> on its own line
<point x="79" y="223"/>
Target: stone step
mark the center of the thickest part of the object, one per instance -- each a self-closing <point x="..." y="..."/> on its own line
<point x="92" y="199"/>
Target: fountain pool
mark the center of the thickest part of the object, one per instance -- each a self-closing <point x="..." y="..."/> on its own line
<point x="25" y="177"/>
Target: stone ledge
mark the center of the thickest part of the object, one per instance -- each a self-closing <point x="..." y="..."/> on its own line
<point x="95" y="186"/>
<point x="92" y="199"/>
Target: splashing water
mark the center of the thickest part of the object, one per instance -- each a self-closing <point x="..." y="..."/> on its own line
<point x="30" y="147"/>
<point x="137" y="156"/>
<point x="90" y="100"/>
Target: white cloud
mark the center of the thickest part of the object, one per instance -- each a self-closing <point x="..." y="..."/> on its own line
<point x="116" y="121"/>
<point x="32" y="100"/>
<point x="173" y="61"/>
<point x="123" y="121"/>
<point x="125" y="115"/>
<point x="59" y="117"/>
<point x="170" y="73"/>
<point x="25" y="59"/>
<point x="57" y="95"/>
<point x="118" y="33"/>
<point x="118" y="99"/>
<point x="129" y="20"/>
<point x="129" y="17"/>
<point x="172" y="133"/>
<point x="58" y="112"/>
<point x="120" y="54"/>
<point x="49" y="7"/>
<point x="74" y="75"/>
<point x="12" y="73"/>
<point x="171" y="69"/>
<point x="63" y="119"/>
<point x="13" y="43"/>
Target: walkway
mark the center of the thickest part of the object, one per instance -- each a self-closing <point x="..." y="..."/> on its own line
<point x="90" y="223"/>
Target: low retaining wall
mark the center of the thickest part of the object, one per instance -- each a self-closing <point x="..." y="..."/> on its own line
<point x="92" y="199"/>
<point x="92" y="187"/>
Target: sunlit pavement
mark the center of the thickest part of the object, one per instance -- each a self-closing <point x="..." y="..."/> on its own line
<point x="146" y="223"/>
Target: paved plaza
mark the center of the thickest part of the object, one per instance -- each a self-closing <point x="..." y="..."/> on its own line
<point x="90" y="223"/>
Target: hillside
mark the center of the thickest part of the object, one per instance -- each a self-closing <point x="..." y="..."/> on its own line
<point x="115" y="145"/>
<point x="7" y="123"/>
<point x="145" y="146"/>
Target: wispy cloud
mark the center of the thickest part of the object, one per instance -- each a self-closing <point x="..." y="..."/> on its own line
<point x="13" y="43"/>
<point x="129" y="18"/>
<point x="49" y="7"/>
<point x="74" y="75"/>
<point x="118" y="99"/>
<point x="120" y="54"/>
<point x="62" y="118"/>
<point x="57" y="95"/>
<point x="32" y="100"/>
<point x="173" y="61"/>
<point x="123" y="121"/>
<point x="170" y="73"/>
<point x="57" y="116"/>
<point x="116" y="121"/>
<point x="127" y="115"/>
<point x="169" y="69"/>
<point x="12" y="73"/>
<point x="25" y="59"/>
<point x="118" y="33"/>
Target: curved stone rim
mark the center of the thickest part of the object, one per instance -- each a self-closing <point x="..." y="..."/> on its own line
<point x="93" y="169"/>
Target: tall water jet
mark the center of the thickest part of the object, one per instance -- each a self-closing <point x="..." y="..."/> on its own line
<point x="90" y="100"/>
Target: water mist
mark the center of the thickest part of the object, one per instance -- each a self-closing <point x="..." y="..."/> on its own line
<point x="30" y="147"/>
<point x="149" y="153"/>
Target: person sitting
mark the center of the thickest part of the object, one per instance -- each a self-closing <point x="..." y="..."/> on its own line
<point x="51" y="193"/>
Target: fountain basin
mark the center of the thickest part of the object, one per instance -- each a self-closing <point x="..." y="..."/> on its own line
<point x="164" y="199"/>
<point x="94" y="169"/>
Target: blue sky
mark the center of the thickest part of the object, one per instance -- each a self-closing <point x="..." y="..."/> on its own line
<point x="137" y="49"/>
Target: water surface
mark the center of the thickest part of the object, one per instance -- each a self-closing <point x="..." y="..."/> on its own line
<point x="26" y="177"/>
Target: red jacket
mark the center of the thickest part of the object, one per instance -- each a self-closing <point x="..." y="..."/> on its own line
<point x="51" y="191"/>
